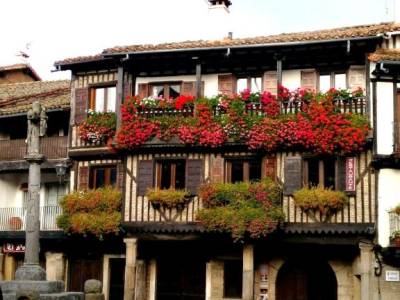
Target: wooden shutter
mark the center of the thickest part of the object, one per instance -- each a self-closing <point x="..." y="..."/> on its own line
<point x="227" y="84"/>
<point x="127" y="90"/>
<point x="189" y="88"/>
<point x="217" y="168"/>
<point x="293" y="175"/>
<point x="145" y="176"/>
<point x="356" y="77"/>
<point x="194" y="175"/>
<point x="309" y="79"/>
<point x="83" y="178"/>
<point x="120" y="176"/>
<point x="81" y="104"/>
<point x="270" y="82"/>
<point x="341" y="174"/>
<point x="269" y="165"/>
<point x="143" y="90"/>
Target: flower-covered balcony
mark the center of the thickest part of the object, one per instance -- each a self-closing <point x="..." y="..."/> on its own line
<point x="331" y="122"/>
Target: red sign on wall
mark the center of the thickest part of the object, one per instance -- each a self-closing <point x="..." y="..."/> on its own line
<point x="350" y="174"/>
<point x="12" y="248"/>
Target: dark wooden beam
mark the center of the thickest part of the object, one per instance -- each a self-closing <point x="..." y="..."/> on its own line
<point x="120" y="94"/>
<point x="198" y="80"/>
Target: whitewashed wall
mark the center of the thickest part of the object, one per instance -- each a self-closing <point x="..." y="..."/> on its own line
<point x="388" y="197"/>
<point x="384" y="126"/>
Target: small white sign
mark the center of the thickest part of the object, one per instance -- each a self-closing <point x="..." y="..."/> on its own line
<point x="392" y="276"/>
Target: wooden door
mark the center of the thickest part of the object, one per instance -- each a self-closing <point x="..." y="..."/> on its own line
<point x="306" y="281"/>
<point x="181" y="279"/>
<point x="82" y="270"/>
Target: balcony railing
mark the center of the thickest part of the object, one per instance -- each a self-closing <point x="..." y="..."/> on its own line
<point x="52" y="147"/>
<point x="394" y="222"/>
<point x="13" y="218"/>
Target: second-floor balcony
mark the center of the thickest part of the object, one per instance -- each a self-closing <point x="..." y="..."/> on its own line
<point x="14" y="218"/>
<point x="51" y="147"/>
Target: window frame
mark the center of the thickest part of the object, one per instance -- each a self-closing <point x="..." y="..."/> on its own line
<point x="246" y="167"/>
<point x="107" y="175"/>
<point x="173" y="175"/>
<point x="248" y="83"/>
<point x="166" y="85"/>
<point x="92" y="96"/>
<point x="321" y="171"/>
<point x="332" y="75"/>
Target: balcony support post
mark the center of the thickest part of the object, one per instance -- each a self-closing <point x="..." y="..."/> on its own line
<point x="198" y="80"/>
<point x="54" y="266"/>
<point x="248" y="272"/>
<point x="120" y="94"/>
<point x="37" y="124"/>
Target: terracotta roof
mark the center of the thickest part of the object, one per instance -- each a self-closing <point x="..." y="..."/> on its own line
<point x="20" y="67"/>
<point x="384" y="54"/>
<point x="17" y="97"/>
<point x="319" y="35"/>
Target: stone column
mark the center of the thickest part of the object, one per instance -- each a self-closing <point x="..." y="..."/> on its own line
<point x="1" y="265"/>
<point x="153" y="279"/>
<point x="31" y="269"/>
<point x="9" y="267"/>
<point x="248" y="272"/>
<point x="54" y="266"/>
<point x="366" y="260"/>
<point x="130" y="268"/>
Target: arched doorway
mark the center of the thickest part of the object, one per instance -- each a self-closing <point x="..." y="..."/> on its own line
<point x="306" y="280"/>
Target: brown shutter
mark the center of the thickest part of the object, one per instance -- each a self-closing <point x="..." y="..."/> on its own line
<point x="194" y="175"/>
<point x="143" y="90"/>
<point x="270" y="82"/>
<point x="145" y="176"/>
<point x="217" y="168"/>
<point x="81" y="104"/>
<point x="293" y="175"/>
<point x="127" y="90"/>
<point x="356" y="77"/>
<point x="341" y="174"/>
<point x="309" y="79"/>
<point x="83" y="178"/>
<point x="189" y="88"/>
<point x="120" y="176"/>
<point x="269" y="165"/>
<point x="227" y="84"/>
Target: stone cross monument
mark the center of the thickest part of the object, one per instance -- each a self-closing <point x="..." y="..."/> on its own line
<point x="37" y="125"/>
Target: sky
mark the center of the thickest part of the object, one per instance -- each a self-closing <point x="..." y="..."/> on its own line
<point x="56" y="29"/>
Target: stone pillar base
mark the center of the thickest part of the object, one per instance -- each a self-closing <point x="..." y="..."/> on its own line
<point x="30" y="272"/>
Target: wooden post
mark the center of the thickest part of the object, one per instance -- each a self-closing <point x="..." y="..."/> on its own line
<point x="248" y="272"/>
<point x="198" y="80"/>
<point x="278" y="58"/>
<point x="120" y="94"/>
<point x="130" y="268"/>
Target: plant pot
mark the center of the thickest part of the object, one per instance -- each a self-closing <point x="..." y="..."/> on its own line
<point x="395" y="241"/>
<point x="15" y="223"/>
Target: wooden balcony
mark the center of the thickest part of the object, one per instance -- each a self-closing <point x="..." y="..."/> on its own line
<point x="77" y="142"/>
<point x="13" y="218"/>
<point x="52" y="147"/>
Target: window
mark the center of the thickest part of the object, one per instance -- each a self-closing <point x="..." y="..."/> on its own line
<point x="103" y="99"/>
<point x="54" y="192"/>
<point x="337" y="80"/>
<point x="238" y="170"/>
<point x="171" y="174"/>
<point x="165" y="90"/>
<point x="102" y="176"/>
<point x="233" y="274"/>
<point x="251" y="83"/>
<point x="321" y="172"/>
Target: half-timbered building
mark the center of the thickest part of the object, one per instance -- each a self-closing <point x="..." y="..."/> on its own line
<point x="169" y="254"/>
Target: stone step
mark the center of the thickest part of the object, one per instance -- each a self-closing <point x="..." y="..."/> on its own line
<point x="42" y="287"/>
<point x="57" y="296"/>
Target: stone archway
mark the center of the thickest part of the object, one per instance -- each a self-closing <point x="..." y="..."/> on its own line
<point x="306" y="280"/>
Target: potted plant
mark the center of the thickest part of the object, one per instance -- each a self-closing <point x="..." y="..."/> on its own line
<point x="396" y="210"/>
<point x="98" y="127"/>
<point x="320" y="200"/>
<point x="168" y="198"/>
<point x="15" y="223"/>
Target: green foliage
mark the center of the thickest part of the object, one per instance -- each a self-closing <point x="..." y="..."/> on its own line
<point x="102" y="119"/>
<point x="318" y="199"/>
<point x="167" y="198"/>
<point x="91" y="212"/>
<point x="240" y="208"/>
